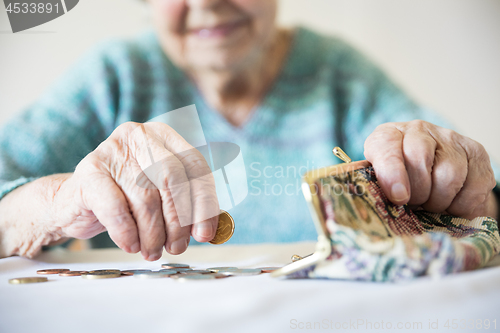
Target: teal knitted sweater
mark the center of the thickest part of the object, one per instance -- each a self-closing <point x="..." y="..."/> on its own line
<point x="326" y="95"/>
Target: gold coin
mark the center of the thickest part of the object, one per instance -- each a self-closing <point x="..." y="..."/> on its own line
<point x="52" y="271"/>
<point x="101" y="275"/>
<point x="72" y="273"/>
<point x="24" y="280"/>
<point x="225" y="228"/>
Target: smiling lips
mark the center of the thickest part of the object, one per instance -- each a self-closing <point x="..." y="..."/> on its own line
<point x="221" y="30"/>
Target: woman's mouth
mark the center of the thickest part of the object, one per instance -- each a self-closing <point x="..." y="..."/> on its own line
<point x="220" y="30"/>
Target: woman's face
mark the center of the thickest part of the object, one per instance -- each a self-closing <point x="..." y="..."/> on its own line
<point x="214" y="34"/>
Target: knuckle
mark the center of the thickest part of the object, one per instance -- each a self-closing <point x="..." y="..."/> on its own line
<point x="419" y="124"/>
<point x="160" y="127"/>
<point x="450" y="136"/>
<point x="194" y="163"/>
<point x="490" y="182"/>
<point x="493" y="183"/>
<point x="125" y="128"/>
<point x="452" y="176"/>
<point x="480" y="153"/>
<point x="419" y="156"/>
<point x="92" y="163"/>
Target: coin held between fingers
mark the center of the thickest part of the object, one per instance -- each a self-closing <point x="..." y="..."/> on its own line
<point x="225" y="228"/>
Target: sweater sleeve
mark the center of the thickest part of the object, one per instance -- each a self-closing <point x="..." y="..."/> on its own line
<point x="63" y="126"/>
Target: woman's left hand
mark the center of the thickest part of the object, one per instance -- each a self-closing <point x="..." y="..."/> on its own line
<point x="431" y="167"/>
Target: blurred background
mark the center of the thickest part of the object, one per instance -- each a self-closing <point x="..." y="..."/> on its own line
<point x="444" y="53"/>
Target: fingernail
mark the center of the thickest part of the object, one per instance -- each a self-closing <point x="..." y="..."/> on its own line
<point x="135" y="248"/>
<point x="154" y="257"/>
<point x="203" y="229"/>
<point x="399" y="192"/>
<point x="178" y="246"/>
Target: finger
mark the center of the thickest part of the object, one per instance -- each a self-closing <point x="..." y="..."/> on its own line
<point x="201" y="183"/>
<point x="177" y="236"/>
<point x="384" y="149"/>
<point x="146" y="208"/>
<point x="478" y="184"/>
<point x="203" y="195"/>
<point x="168" y="174"/>
<point x="108" y="203"/>
<point x="448" y="176"/>
<point x="418" y="150"/>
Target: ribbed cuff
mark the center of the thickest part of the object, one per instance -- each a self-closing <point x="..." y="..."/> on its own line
<point x="7" y="186"/>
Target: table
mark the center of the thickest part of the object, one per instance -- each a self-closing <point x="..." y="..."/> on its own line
<point x="238" y="304"/>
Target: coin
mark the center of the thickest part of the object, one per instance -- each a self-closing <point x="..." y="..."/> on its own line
<point x="134" y="271"/>
<point x="196" y="277"/>
<point x="101" y="275"/>
<point x="169" y="272"/>
<point x="72" y="273"/>
<point x="221" y="269"/>
<point x="105" y="271"/>
<point x="219" y="275"/>
<point x="24" y="280"/>
<point x="154" y="275"/>
<point x="195" y="271"/>
<point x="244" y="271"/>
<point x="174" y="269"/>
<point x="51" y="271"/>
<point x="169" y="265"/>
<point x="225" y="228"/>
<point x="269" y="269"/>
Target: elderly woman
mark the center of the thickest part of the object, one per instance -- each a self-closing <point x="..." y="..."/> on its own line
<point x="69" y="163"/>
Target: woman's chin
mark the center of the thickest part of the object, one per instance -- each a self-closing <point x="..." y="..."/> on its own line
<point x="220" y="60"/>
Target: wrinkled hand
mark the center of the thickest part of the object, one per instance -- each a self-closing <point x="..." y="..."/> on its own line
<point x="173" y="199"/>
<point x="431" y="167"/>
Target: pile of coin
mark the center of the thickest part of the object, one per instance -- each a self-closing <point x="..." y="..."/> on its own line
<point x="180" y="272"/>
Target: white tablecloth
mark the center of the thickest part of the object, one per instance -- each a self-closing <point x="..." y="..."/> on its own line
<point x="238" y="304"/>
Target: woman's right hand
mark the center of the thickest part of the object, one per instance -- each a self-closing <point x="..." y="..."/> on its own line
<point x="174" y="199"/>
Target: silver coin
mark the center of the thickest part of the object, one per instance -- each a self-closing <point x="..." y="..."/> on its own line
<point x="152" y="275"/>
<point x="169" y="265"/>
<point x="195" y="271"/>
<point x="269" y="269"/>
<point x="221" y="269"/>
<point x="136" y="271"/>
<point x="167" y="271"/>
<point x="220" y="275"/>
<point x="243" y="272"/>
<point x="195" y="277"/>
<point x="179" y="270"/>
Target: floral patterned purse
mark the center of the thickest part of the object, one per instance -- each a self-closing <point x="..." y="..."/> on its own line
<point x="363" y="236"/>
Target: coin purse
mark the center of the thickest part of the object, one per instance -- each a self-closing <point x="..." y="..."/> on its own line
<point x="363" y="236"/>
